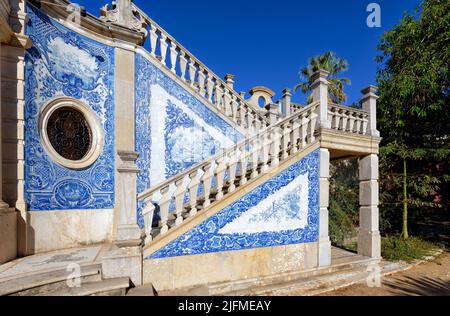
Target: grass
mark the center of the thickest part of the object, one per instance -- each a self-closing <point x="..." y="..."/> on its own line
<point x="395" y="248"/>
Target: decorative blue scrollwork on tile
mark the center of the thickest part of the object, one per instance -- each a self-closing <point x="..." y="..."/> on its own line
<point x="62" y="63"/>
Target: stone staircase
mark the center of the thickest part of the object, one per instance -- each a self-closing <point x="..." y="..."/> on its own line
<point x="343" y="272"/>
<point x="52" y="274"/>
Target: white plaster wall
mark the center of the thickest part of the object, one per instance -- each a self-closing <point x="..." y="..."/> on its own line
<point x="51" y="230"/>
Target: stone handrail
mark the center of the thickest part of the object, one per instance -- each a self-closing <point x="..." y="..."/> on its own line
<point x="225" y="172"/>
<point x="348" y="119"/>
<point x="201" y="79"/>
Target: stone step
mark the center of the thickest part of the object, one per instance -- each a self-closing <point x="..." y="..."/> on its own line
<point x="43" y="281"/>
<point x="108" y="287"/>
<point x="246" y="286"/>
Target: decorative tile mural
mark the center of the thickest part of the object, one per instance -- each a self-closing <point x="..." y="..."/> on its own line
<point x="282" y="211"/>
<point x="173" y="130"/>
<point x="62" y="63"/>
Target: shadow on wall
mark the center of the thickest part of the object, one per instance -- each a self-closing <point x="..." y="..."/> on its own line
<point x="421" y="286"/>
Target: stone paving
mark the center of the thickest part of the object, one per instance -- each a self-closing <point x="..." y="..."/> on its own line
<point x="50" y="261"/>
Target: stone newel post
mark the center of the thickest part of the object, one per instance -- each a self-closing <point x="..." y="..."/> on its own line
<point x="320" y="94"/>
<point x="287" y="98"/>
<point x="229" y="80"/>
<point x="128" y="231"/>
<point x="124" y="259"/>
<point x="369" y="104"/>
<point x="273" y="112"/>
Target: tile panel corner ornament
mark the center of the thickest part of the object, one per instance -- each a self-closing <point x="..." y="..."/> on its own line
<point x="62" y="63"/>
<point x="282" y="211"/>
<point x="173" y="130"/>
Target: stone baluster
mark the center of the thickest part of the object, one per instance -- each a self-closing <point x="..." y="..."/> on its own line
<point x="218" y="95"/>
<point x="313" y="118"/>
<point x="206" y="184"/>
<point x="275" y="148"/>
<point x="164" y="204"/>
<point x="365" y="123"/>
<point x="242" y="115"/>
<point x="128" y="232"/>
<point x="304" y="130"/>
<point x="192" y="71"/>
<point x="201" y="80"/>
<point x="163" y="45"/>
<point x="243" y="164"/>
<point x="351" y="122"/>
<point x="234" y="106"/>
<point x="369" y="105"/>
<point x="193" y="192"/>
<point x="219" y="173"/>
<point x="148" y="213"/>
<point x="286" y="131"/>
<point x="320" y="94"/>
<point x="209" y="87"/>
<point x="227" y="101"/>
<point x="179" y="200"/>
<point x="183" y="64"/>
<point x="173" y="57"/>
<point x="153" y="40"/>
<point x="358" y="123"/>
<point x="344" y="120"/>
<point x="265" y="151"/>
<point x="255" y="147"/>
<point x="295" y="123"/>
<point x="232" y="166"/>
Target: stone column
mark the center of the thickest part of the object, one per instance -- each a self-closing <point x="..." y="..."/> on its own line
<point x="369" y="240"/>
<point x="369" y="104"/>
<point x="286" y="101"/>
<point x="324" y="188"/>
<point x="320" y="94"/>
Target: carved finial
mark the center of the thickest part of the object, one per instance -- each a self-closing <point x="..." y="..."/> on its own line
<point x="124" y="13"/>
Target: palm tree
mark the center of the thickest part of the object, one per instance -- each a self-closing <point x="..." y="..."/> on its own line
<point x="333" y="65"/>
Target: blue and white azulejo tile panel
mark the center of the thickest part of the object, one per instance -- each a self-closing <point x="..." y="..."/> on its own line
<point x="173" y="130"/>
<point x="62" y="63"/>
<point x="282" y="211"/>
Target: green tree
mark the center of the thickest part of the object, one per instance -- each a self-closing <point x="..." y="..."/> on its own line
<point x="414" y="117"/>
<point x="333" y="65"/>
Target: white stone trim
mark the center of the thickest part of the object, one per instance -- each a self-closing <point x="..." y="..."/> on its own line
<point x="97" y="140"/>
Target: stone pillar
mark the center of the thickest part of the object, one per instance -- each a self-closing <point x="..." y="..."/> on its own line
<point x="324" y="193"/>
<point x="320" y="94"/>
<point x="273" y="113"/>
<point x="229" y="81"/>
<point x="14" y="42"/>
<point x="128" y="231"/>
<point x="369" y="104"/>
<point x="286" y="101"/>
<point x="369" y="240"/>
<point x="125" y="258"/>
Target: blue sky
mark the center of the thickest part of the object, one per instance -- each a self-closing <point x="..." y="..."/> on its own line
<point x="266" y="42"/>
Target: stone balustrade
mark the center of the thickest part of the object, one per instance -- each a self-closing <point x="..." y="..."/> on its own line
<point x="171" y="54"/>
<point x="192" y="191"/>
<point x="348" y="119"/>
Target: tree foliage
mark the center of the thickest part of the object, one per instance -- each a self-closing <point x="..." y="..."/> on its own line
<point x="334" y="65"/>
<point x="413" y="111"/>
